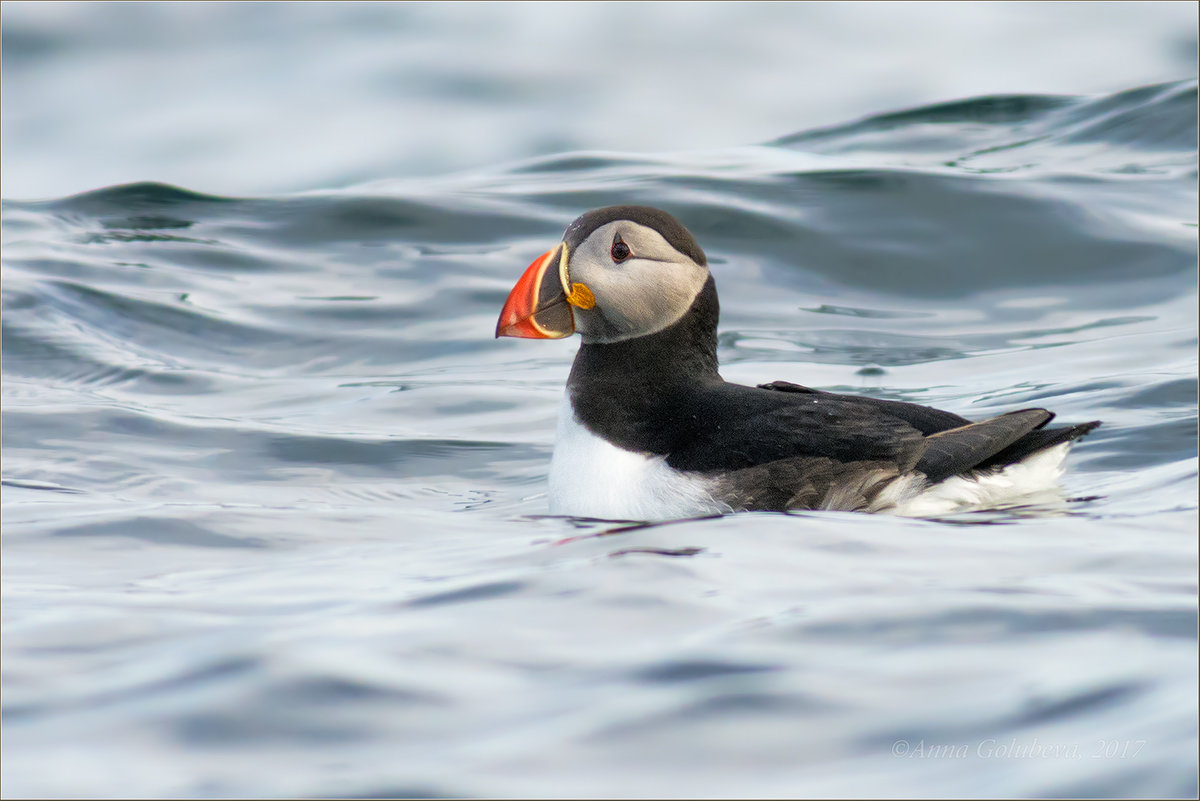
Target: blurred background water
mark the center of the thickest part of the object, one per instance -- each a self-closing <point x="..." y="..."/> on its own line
<point x="274" y="499"/>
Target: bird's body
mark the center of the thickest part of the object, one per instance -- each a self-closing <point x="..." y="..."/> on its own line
<point x="590" y="477"/>
<point x="649" y="429"/>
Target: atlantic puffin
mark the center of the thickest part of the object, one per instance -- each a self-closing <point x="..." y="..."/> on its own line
<point x="648" y="429"/>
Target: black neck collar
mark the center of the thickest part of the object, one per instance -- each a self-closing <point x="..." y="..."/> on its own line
<point x="634" y="393"/>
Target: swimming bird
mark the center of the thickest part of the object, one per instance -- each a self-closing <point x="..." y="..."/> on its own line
<point x="648" y="429"/>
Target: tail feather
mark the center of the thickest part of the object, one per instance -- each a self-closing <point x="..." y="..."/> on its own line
<point x="958" y="450"/>
<point x="1036" y="441"/>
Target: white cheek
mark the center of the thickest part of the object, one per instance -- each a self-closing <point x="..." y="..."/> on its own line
<point x="640" y="296"/>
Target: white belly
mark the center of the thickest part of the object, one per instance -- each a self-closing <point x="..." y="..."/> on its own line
<point x="590" y="477"/>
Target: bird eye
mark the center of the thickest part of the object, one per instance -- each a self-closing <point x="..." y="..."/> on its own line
<point x="620" y="251"/>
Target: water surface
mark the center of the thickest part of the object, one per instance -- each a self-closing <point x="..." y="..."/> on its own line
<point x="274" y="498"/>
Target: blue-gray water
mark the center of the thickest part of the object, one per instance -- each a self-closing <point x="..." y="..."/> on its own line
<point x="274" y="498"/>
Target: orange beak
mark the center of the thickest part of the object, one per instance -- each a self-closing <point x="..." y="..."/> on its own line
<point x="537" y="307"/>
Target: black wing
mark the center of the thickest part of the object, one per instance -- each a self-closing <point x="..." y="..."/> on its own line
<point x="976" y="446"/>
<point x="732" y="427"/>
<point x="736" y="427"/>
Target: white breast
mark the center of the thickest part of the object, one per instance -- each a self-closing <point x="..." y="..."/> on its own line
<point x="590" y="477"/>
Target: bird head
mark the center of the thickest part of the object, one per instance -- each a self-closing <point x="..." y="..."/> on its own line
<point x="620" y="272"/>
